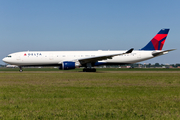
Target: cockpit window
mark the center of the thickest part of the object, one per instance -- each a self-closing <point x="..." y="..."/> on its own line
<point x="9" y="56"/>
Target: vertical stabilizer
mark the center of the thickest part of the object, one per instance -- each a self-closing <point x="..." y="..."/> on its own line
<point x="158" y="41"/>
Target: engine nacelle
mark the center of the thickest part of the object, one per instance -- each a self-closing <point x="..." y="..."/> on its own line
<point x="68" y="65"/>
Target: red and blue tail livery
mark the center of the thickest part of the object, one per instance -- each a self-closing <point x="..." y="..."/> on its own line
<point x="158" y="41"/>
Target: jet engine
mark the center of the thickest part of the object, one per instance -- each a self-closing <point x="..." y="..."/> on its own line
<point x="67" y="65"/>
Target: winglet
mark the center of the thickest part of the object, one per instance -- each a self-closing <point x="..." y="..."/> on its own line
<point x="130" y="51"/>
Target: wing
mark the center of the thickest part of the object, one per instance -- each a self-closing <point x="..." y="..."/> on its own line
<point x="161" y="52"/>
<point x="103" y="57"/>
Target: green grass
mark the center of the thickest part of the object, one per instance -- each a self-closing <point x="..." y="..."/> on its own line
<point x="101" y="95"/>
<point x="98" y="69"/>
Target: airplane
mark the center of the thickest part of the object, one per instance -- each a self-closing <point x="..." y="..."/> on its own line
<point x="67" y="60"/>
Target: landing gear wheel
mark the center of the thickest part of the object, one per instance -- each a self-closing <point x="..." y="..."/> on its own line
<point x="84" y="70"/>
<point x="20" y="67"/>
<point x="89" y="70"/>
<point x="93" y="70"/>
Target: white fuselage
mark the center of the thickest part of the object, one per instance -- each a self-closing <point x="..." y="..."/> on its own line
<point x="43" y="58"/>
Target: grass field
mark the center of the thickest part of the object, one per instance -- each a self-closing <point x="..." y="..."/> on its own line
<point x="98" y="69"/>
<point x="115" y="94"/>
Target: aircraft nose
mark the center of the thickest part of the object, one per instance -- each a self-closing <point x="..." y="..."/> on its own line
<point x="4" y="59"/>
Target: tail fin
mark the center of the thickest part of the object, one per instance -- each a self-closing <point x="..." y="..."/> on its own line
<point x="158" y="41"/>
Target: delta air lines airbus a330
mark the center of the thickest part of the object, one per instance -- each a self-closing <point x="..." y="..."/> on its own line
<point x="88" y="59"/>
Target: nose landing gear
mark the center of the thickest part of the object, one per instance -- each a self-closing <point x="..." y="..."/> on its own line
<point x="20" y="69"/>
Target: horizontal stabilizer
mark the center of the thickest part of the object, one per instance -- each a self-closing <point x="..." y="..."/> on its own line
<point x="157" y="53"/>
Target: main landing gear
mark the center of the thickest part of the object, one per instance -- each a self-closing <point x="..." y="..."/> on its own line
<point x="89" y="68"/>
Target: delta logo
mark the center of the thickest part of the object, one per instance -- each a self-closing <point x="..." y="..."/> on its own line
<point x="32" y="54"/>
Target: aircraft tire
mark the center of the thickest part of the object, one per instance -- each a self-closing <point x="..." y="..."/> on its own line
<point x="89" y="70"/>
<point x="94" y="70"/>
<point x="84" y="70"/>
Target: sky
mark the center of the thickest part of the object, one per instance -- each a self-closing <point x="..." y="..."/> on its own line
<point x="67" y="25"/>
